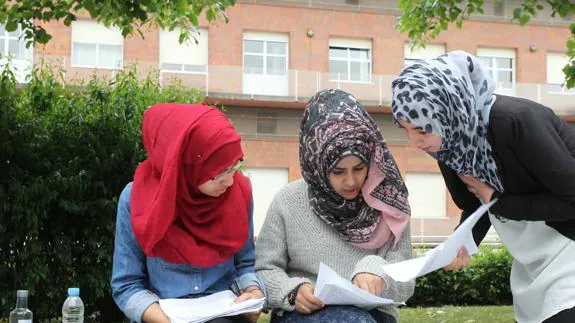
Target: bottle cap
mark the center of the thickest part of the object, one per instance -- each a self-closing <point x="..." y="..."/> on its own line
<point x="74" y="291"/>
<point x="22" y="293"/>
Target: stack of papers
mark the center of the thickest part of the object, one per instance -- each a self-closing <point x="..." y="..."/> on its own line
<point x="443" y="254"/>
<point x="202" y="309"/>
<point x="332" y="289"/>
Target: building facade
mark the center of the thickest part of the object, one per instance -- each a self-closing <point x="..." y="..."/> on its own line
<point x="274" y="54"/>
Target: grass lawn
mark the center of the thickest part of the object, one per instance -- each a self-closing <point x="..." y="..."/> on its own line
<point x="448" y="314"/>
<point x="467" y="314"/>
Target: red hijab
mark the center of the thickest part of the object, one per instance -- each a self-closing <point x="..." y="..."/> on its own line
<point x="187" y="145"/>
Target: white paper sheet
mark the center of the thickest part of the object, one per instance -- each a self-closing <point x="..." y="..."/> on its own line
<point x="443" y="254"/>
<point x="332" y="289"/>
<point x="202" y="309"/>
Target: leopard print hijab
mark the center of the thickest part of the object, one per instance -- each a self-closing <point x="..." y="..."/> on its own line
<point x="451" y="96"/>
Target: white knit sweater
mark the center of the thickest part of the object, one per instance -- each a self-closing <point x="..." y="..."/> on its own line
<point x="293" y="241"/>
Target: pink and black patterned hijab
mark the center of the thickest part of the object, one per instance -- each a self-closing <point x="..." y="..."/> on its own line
<point x="335" y="125"/>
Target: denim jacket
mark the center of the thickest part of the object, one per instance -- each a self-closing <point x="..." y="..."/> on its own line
<point x="138" y="281"/>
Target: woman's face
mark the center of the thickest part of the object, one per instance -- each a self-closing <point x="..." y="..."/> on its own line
<point x="220" y="183"/>
<point x="418" y="138"/>
<point x="348" y="176"/>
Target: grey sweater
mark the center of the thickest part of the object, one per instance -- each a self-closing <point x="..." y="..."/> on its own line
<point x="293" y="241"/>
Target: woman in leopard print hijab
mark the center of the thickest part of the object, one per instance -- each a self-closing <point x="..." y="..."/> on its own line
<point x="451" y="96"/>
<point x="506" y="148"/>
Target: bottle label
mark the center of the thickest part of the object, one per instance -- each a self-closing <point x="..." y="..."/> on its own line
<point x="24" y="321"/>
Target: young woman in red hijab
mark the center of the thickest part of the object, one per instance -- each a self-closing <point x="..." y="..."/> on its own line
<point x="184" y="226"/>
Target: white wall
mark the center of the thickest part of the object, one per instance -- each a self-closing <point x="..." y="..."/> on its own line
<point x="427" y="195"/>
<point x="266" y="182"/>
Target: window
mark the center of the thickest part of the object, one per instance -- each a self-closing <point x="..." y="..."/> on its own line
<point x="427" y="195"/>
<point x="500" y="63"/>
<point x="267" y="122"/>
<point x="430" y="51"/>
<point x="499" y="8"/>
<point x="265" y="70"/>
<point x="349" y="60"/>
<point x="96" y="46"/>
<point x="555" y="75"/>
<point x="11" y="45"/>
<point x="265" y="54"/>
<point x="190" y="57"/>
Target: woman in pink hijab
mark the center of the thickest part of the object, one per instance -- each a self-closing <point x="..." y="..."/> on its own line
<point x="350" y="212"/>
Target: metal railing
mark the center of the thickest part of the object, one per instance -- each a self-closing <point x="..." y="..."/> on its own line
<point x="230" y="82"/>
<point x="494" y="10"/>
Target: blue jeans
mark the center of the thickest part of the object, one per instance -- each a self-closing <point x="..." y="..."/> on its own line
<point x="335" y="314"/>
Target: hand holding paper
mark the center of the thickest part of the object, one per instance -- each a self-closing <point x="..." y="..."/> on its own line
<point x="197" y="310"/>
<point x="443" y="254"/>
<point x="333" y="289"/>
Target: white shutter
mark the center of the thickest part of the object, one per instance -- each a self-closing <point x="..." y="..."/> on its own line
<point x="496" y="52"/>
<point x="89" y="31"/>
<point x="430" y="51"/>
<point x="555" y="64"/>
<point x="254" y="35"/>
<point x="172" y="52"/>
<point x="350" y="43"/>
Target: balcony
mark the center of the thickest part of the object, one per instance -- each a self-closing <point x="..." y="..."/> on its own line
<point x="225" y="83"/>
<point x="494" y="10"/>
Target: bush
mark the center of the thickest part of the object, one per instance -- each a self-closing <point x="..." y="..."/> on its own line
<point x="66" y="153"/>
<point x="484" y="282"/>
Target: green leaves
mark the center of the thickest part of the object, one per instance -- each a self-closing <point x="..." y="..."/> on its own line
<point x="128" y="16"/>
<point x="569" y="69"/>
<point x="66" y="152"/>
<point x="520" y="15"/>
<point x="484" y="282"/>
<point x="424" y="20"/>
<point x="11" y="25"/>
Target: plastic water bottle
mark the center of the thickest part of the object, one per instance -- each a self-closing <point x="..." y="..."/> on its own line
<point x="73" y="308"/>
<point x="21" y="314"/>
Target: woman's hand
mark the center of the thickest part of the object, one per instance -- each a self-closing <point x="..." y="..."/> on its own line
<point x="305" y="302"/>
<point x="460" y="261"/>
<point x="154" y="314"/>
<point x="370" y="283"/>
<point x="481" y="190"/>
<point x="251" y="292"/>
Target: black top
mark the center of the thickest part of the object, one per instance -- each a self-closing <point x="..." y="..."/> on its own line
<point x="535" y="155"/>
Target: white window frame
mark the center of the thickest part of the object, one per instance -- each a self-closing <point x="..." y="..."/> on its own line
<point x="557" y="61"/>
<point x="21" y="65"/>
<point x="5" y="37"/>
<point x="493" y="54"/>
<point x="203" y="45"/>
<point x="348" y="45"/>
<point x="97" y="44"/>
<point x="265" y="38"/>
<point x="430" y="51"/>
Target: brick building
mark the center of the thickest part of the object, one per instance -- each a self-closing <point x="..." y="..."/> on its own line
<point x="274" y="54"/>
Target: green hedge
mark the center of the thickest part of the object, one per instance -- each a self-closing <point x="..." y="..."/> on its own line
<point x="484" y="282"/>
<point x="66" y="152"/>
